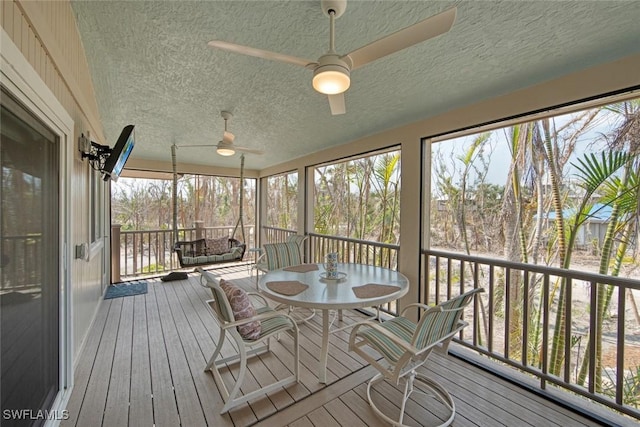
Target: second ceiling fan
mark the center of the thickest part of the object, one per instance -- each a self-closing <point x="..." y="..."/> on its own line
<point x="332" y="71"/>
<point x="225" y="147"/>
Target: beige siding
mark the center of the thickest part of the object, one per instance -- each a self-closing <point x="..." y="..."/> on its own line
<point x="46" y="34"/>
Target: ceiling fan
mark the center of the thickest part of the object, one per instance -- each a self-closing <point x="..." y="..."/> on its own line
<point x="331" y="72"/>
<point x="225" y="147"/>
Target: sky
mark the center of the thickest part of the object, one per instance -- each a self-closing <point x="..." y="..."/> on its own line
<point x="497" y="149"/>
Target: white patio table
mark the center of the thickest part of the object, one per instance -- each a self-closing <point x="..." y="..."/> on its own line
<point x="325" y="295"/>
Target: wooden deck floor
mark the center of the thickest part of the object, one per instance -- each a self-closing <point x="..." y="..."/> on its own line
<point x="143" y="362"/>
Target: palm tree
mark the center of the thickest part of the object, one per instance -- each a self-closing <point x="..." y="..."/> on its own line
<point x="474" y="151"/>
<point x="622" y="193"/>
<point x="515" y="248"/>
<point x="555" y="158"/>
<point x="386" y="184"/>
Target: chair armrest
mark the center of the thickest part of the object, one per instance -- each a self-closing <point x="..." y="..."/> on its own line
<point x="260" y="297"/>
<point x="444" y="341"/>
<point x="261" y="262"/>
<point x="419" y="306"/>
<point x="377" y="326"/>
<point x="206" y="277"/>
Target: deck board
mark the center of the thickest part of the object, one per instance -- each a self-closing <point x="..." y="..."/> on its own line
<point x="360" y="407"/>
<point x="322" y="417"/>
<point x="302" y="422"/>
<point x="197" y="348"/>
<point x="85" y="363"/>
<point x="469" y="383"/>
<point x="386" y="403"/>
<point x="179" y="342"/>
<point x="92" y="411"/>
<point x="343" y="414"/>
<point x="140" y="405"/>
<point x="148" y="353"/>
<point x="120" y="381"/>
<point x="165" y="407"/>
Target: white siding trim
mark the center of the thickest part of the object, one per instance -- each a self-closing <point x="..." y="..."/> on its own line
<point x="22" y="80"/>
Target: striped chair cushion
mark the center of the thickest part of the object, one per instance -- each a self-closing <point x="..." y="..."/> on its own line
<point x="298" y="239"/>
<point x="402" y="327"/>
<point x="274" y="324"/>
<point x="280" y="255"/>
<point x="220" y="307"/>
<point x="436" y="325"/>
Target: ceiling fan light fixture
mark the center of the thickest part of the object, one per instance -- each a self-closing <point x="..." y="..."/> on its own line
<point x="331" y="82"/>
<point x="226" y="151"/>
<point x="331" y="78"/>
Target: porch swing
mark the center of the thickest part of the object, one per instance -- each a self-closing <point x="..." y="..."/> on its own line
<point x="203" y="251"/>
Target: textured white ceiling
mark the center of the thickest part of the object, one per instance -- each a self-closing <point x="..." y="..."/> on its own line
<point x="151" y="66"/>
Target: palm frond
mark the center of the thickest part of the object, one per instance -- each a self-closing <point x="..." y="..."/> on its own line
<point x="594" y="172"/>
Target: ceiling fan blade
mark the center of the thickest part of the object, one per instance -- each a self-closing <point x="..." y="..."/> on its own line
<point x="336" y="103"/>
<point x="196" y="145"/>
<point x="402" y="39"/>
<point x="264" y="54"/>
<point x="248" y="150"/>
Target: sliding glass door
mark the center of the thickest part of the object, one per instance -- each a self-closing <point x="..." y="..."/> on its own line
<point x="29" y="264"/>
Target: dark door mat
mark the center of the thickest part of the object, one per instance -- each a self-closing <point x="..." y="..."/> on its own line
<point x="175" y="275"/>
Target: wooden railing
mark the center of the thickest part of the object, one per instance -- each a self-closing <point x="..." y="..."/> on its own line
<point x="353" y="250"/>
<point x="275" y="235"/>
<point x="135" y="253"/>
<point x="515" y="320"/>
<point x="19" y="263"/>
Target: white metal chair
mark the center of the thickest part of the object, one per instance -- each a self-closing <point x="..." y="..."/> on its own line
<point x="298" y="239"/>
<point x="404" y="346"/>
<point x="281" y="255"/>
<point x="272" y="323"/>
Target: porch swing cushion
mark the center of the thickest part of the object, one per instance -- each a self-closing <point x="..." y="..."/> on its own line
<point x="217" y="246"/>
<point x="194" y="253"/>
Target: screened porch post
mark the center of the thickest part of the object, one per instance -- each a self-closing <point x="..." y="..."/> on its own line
<point x="410" y="219"/>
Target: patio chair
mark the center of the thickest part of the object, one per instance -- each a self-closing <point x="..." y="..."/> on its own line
<point x="281" y="255"/>
<point x="251" y="330"/>
<point x="401" y="346"/>
<point x="290" y="256"/>
<point x="298" y="239"/>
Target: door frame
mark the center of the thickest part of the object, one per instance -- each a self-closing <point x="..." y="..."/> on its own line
<point x="25" y="84"/>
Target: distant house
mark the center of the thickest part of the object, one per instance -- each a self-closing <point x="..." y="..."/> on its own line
<point x="594" y="228"/>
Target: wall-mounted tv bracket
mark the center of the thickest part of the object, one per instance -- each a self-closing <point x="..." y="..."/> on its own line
<point x="96" y="153"/>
